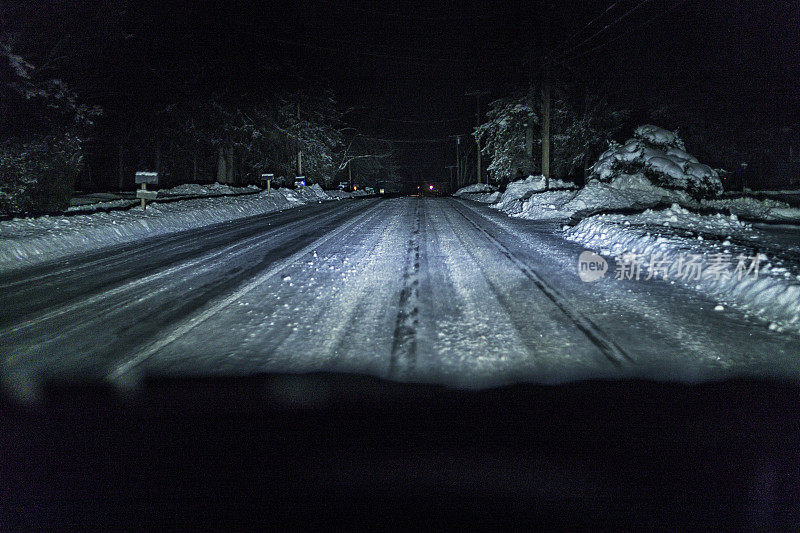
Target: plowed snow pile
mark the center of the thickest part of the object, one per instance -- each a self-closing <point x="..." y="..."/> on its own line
<point x="666" y="243"/>
<point x="650" y="170"/>
<point x="27" y="241"/>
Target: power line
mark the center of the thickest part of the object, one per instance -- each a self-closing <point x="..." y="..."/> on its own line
<point x="623" y="34"/>
<point x="408" y="121"/>
<point x="605" y="28"/>
<point x="587" y="26"/>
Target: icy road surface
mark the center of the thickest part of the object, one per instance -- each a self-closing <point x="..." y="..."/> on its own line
<point x="420" y="289"/>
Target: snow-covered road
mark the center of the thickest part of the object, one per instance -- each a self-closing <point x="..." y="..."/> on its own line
<point x="420" y="289"/>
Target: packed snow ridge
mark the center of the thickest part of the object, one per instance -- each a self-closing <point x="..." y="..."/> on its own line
<point x="186" y="190"/>
<point x="727" y="264"/>
<point x="28" y="241"/>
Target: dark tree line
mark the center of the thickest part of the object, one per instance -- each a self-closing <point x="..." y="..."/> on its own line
<point x="583" y="123"/>
<point x="91" y="92"/>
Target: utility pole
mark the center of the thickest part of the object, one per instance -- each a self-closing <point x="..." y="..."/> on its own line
<point x="350" y="174"/>
<point x="477" y="95"/>
<point x="546" y="125"/>
<point x="299" y="151"/>
<point x="458" y="158"/>
<point x="451" y="167"/>
<point x="529" y="125"/>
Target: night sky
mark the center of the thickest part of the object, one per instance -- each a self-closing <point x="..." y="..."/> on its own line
<point x="404" y="67"/>
<point x="407" y="65"/>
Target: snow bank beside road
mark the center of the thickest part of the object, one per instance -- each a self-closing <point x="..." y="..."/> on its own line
<point x="518" y="191"/>
<point x="772" y="295"/>
<point x="195" y="189"/>
<point x="626" y="192"/>
<point x="629" y="192"/>
<point x="479" y="192"/>
<point x="756" y="209"/>
<point x="475" y="188"/>
<point x="189" y="189"/>
<point x="27" y="241"/>
<point x="345" y="194"/>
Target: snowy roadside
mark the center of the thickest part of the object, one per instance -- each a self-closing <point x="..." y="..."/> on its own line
<point x="28" y="241"/>
<point x="191" y="190"/>
<point x="649" y="230"/>
<point x="345" y="194"/>
<point x="661" y="213"/>
<point x="730" y="264"/>
<point x="627" y="192"/>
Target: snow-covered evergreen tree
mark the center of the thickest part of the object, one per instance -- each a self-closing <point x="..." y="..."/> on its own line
<point x="41" y="127"/>
<point x="578" y="135"/>
<point x="660" y="155"/>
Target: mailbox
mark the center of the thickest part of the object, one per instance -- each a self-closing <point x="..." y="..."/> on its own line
<point x="150" y="178"/>
<point x="146" y="195"/>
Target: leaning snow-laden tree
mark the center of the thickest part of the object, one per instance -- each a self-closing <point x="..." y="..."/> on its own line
<point x="42" y="124"/>
<point x="363" y="159"/>
<point x="581" y="135"/>
<point x="311" y="124"/>
<point x="503" y="136"/>
<point x="511" y="136"/>
<point x="660" y="156"/>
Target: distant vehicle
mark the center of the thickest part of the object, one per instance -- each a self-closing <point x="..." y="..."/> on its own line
<point x="343" y="185"/>
<point x="299" y="182"/>
<point x="369" y="190"/>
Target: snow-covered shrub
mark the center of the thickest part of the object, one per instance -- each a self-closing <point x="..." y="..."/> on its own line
<point x="661" y="157"/>
<point x="37" y="176"/>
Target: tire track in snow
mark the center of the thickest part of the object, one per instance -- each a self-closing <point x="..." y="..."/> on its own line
<point x="193" y="321"/>
<point x="77" y="287"/>
<point x="109" y="257"/>
<point x="514" y="321"/>
<point x="607" y="346"/>
<point x="404" y="343"/>
<point x="204" y="261"/>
